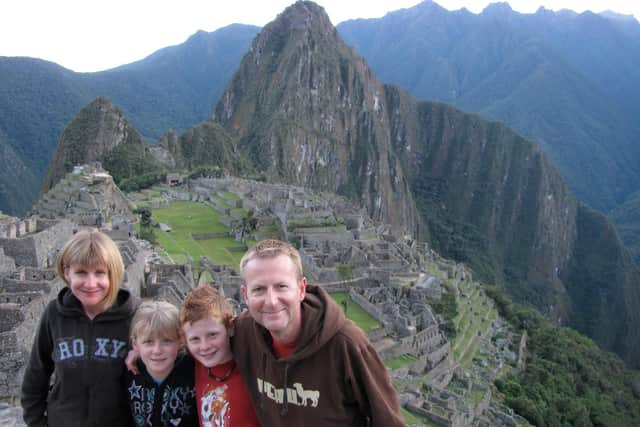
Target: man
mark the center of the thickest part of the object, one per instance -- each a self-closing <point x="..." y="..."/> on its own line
<point x="305" y="364"/>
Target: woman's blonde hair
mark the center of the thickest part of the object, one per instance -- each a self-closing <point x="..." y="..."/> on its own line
<point x="155" y="319"/>
<point x="89" y="249"/>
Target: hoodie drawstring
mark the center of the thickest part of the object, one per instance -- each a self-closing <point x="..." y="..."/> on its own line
<point x="264" y="370"/>
<point x="285" y="403"/>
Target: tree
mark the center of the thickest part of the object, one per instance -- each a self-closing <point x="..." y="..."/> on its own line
<point x="244" y="226"/>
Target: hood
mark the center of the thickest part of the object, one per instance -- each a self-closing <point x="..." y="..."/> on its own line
<point x="124" y="306"/>
<point x="322" y="318"/>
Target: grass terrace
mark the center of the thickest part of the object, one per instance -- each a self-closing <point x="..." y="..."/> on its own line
<point x="356" y="313"/>
<point x="187" y="219"/>
<point x="399" y="362"/>
<point x="414" y="419"/>
<point x="476" y="312"/>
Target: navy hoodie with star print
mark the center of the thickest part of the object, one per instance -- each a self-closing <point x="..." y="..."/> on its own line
<point x="170" y="403"/>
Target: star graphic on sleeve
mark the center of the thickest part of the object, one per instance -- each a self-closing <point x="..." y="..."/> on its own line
<point x="134" y="390"/>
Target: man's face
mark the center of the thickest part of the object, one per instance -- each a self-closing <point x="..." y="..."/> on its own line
<point x="273" y="294"/>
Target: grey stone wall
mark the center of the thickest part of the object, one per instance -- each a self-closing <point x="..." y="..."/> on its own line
<point x="16" y="344"/>
<point x="135" y="271"/>
<point x="6" y="262"/>
<point x="38" y="250"/>
<point x="371" y="309"/>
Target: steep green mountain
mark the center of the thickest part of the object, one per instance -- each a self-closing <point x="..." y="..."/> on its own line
<point x="206" y="144"/>
<point x="308" y="111"/>
<point x="173" y="88"/>
<point x="100" y="132"/>
<point x="37" y="98"/>
<point x="567" y="81"/>
<point x="625" y="217"/>
<point x="567" y="379"/>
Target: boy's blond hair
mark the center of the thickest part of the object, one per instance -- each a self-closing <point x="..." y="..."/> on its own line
<point x="205" y="302"/>
<point x="89" y="249"/>
<point x="155" y="319"/>
<point x="271" y="248"/>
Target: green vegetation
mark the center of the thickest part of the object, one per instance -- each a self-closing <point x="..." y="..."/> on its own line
<point x="568" y="380"/>
<point x="187" y="218"/>
<point x="310" y="222"/>
<point x="473" y="320"/>
<point x="133" y="167"/>
<point x="345" y="271"/>
<point x="146" y="230"/>
<point x="355" y="312"/>
<point x="413" y="419"/>
<point x="399" y="362"/>
<point x="447" y="307"/>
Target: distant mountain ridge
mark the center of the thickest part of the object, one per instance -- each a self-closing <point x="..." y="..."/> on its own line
<point x="565" y="80"/>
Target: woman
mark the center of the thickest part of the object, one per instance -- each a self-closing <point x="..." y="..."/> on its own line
<point x="82" y="341"/>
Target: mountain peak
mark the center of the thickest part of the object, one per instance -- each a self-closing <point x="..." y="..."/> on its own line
<point x="90" y="135"/>
<point x="303" y="105"/>
<point x="498" y="9"/>
<point x="302" y="16"/>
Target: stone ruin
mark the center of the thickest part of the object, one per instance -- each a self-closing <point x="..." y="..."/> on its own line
<point x="169" y="282"/>
<point x="87" y="196"/>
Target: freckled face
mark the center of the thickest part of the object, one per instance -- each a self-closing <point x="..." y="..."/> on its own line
<point x="208" y="341"/>
<point x="273" y="292"/>
<point x="90" y="284"/>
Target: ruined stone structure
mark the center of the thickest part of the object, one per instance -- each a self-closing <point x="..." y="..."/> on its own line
<point x="169" y="282"/>
<point x="87" y="196"/>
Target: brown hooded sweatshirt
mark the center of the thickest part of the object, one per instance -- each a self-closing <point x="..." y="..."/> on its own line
<point x="333" y="378"/>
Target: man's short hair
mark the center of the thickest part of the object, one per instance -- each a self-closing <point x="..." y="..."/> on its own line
<point x="271" y="248"/>
<point x="204" y="302"/>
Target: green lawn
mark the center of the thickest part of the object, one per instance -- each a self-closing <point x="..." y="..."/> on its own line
<point x="187" y="218"/>
<point x="230" y="196"/>
<point x="399" y="362"/>
<point x="356" y="313"/>
<point x="411" y="418"/>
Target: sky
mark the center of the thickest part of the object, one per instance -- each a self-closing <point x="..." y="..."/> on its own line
<point x="92" y="35"/>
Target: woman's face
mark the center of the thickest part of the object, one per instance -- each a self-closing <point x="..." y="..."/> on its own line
<point x="90" y="285"/>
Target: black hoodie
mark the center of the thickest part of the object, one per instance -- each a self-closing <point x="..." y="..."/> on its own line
<point x="86" y="359"/>
<point x="333" y="378"/>
<point x="170" y="403"/>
